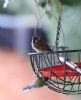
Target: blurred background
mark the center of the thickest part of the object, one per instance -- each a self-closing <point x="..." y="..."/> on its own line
<point x="17" y="26"/>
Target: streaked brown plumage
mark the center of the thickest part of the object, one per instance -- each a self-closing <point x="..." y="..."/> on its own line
<point x="39" y="45"/>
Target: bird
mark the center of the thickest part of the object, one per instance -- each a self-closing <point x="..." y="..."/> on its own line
<point x="39" y="45"/>
<point x="37" y="83"/>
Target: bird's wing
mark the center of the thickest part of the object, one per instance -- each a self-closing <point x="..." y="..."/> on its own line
<point x="43" y="46"/>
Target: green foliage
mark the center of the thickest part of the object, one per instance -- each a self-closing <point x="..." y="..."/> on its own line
<point x="17" y="7"/>
<point x="71" y="23"/>
<point x="42" y="3"/>
<point x="5" y="10"/>
<point x="70" y="2"/>
<point x="2" y="10"/>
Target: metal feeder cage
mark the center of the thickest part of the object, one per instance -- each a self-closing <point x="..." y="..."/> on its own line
<point x="62" y="67"/>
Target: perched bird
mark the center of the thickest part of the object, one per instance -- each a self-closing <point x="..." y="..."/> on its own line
<point x="37" y="83"/>
<point x="39" y="45"/>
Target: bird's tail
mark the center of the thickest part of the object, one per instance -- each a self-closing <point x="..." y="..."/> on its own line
<point x="26" y="89"/>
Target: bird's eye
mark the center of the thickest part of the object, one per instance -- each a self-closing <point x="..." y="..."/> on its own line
<point x="34" y="41"/>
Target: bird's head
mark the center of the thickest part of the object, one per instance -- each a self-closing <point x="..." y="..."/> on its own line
<point x="35" y="39"/>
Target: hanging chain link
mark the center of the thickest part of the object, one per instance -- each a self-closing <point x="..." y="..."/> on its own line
<point x="58" y="32"/>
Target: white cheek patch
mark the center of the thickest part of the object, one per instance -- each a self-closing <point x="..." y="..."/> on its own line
<point x="36" y="41"/>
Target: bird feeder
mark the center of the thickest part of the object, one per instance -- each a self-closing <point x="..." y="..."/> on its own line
<point x="62" y="67"/>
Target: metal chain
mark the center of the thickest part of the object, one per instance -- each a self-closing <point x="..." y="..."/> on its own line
<point x="58" y="32"/>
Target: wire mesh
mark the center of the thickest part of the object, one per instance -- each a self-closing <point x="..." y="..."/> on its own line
<point x="62" y="78"/>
